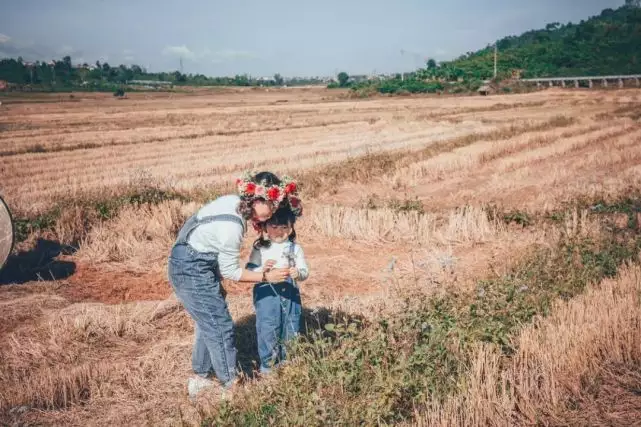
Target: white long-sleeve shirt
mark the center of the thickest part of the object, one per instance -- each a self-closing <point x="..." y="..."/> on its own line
<point x="278" y="252"/>
<point x="223" y="237"/>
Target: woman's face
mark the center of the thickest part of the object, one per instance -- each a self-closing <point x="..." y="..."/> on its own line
<point x="262" y="211"/>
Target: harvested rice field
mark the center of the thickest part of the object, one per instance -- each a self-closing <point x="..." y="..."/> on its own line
<point x="474" y="259"/>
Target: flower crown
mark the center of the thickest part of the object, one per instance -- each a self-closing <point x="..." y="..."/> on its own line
<point x="274" y="194"/>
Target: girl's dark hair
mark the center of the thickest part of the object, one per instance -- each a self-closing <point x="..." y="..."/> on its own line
<point x="246" y="205"/>
<point x="282" y="216"/>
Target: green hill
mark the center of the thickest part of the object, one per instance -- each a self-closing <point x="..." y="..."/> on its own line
<point x="609" y="43"/>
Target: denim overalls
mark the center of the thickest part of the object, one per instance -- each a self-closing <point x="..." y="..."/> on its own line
<point x="278" y="316"/>
<point x="196" y="279"/>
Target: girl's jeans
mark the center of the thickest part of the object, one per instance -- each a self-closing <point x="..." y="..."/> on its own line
<point x="195" y="279"/>
<point x="278" y="316"/>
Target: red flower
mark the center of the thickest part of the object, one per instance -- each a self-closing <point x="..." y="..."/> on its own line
<point x="238" y="181"/>
<point x="250" y="188"/>
<point x="273" y="193"/>
<point x="290" y="188"/>
<point x="294" y="202"/>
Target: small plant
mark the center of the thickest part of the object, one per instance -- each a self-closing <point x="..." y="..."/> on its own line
<point x="521" y="218"/>
<point x="25" y="226"/>
<point x="406" y="205"/>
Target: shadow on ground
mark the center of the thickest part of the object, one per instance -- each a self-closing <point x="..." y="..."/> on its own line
<point x="312" y="320"/>
<point x="38" y="263"/>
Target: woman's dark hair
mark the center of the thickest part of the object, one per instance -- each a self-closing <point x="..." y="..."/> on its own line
<point x="246" y="205"/>
<point x="282" y="216"/>
<point x="269" y="178"/>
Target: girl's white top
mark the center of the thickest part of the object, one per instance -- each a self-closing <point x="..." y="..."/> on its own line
<point x="279" y="253"/>
<point x="222" y="237"/>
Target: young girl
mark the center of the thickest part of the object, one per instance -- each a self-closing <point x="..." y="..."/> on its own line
<point x="278" y="305"/>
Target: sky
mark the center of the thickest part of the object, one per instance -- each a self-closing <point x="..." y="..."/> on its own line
<point x="261" y="38"/>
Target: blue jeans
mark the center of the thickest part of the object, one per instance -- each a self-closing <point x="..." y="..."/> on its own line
<point x="195" y="279"/>
<point x="278" y="315"/>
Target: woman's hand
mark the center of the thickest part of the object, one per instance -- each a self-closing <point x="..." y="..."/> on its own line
<point x="293" y="273"/>
<point x="277" y="275"/>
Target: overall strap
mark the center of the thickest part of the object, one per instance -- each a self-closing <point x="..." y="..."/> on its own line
<point x="292" y="260"/>
<point x="194" y="222"/>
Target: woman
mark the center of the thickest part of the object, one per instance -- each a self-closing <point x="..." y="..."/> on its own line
<point x="208" y="247"/>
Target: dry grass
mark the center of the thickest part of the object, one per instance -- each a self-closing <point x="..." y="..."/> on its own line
<point x="137" y="240"/>
<point x="556" y="356"/>
<point x="200" y="141"/>
<point x="470" y="157"/>
<point x="537" y="171"/>
<point x="469" y="224"/>
<point x="62" y="361"/>
<point x="373" y="166"/>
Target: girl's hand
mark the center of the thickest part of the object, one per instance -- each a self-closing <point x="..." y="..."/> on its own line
<point x="293" y="273"/>
<point x="269" y="264"/>
<point x="277" y="275"/>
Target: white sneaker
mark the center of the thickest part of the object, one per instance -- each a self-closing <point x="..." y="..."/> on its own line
<point x="197" y="384"/>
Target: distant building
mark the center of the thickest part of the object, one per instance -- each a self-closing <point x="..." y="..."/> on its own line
<point x="485" y="90"/>
<point x="3" y="85"/>
<point x="265" y="80"/>
<point x="85" y="67"/>
<point x="358" y="78"/>
<point x="149" y="82"/>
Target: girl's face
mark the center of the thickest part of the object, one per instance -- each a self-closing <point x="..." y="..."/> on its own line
<point x="278" y="233"/>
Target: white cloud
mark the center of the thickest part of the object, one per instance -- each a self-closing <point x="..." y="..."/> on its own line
<point x="4" y="38"/>
<point x="127" y="52"/>
<point x="129" y="58"/>
<point x="182" y="51"/>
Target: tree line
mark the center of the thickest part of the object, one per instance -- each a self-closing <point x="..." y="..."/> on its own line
<point x="607" y="44"/>
<point x="64" y="74"/>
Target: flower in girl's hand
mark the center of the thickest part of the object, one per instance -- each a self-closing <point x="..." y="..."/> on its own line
<point x="269" y="264"/>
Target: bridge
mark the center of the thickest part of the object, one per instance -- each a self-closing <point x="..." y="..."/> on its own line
<point x="590" y="79"/>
